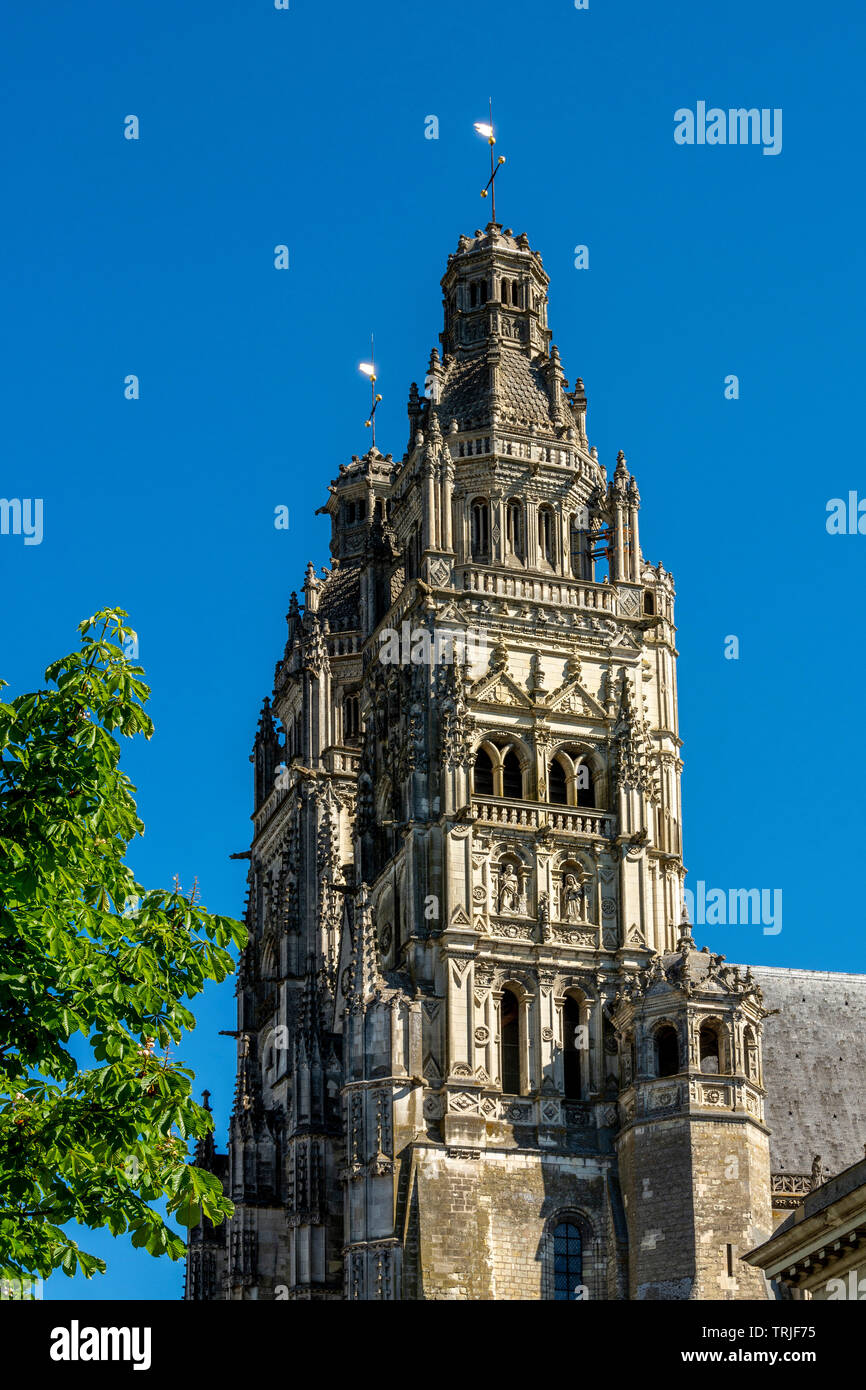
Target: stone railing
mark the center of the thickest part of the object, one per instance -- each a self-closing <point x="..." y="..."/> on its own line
<point x="537" y="589"/>
<point x="576" y="820"/>
<point x="342" y="760"/>
<point x="789" y="1189"/>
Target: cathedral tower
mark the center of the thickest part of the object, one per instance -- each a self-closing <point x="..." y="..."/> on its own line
<point x="466" y="870"/>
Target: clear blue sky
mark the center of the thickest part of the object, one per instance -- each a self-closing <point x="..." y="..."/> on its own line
<point x="306" y="127"/>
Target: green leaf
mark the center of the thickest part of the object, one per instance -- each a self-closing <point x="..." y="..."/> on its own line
<point x="80" y="1141"/>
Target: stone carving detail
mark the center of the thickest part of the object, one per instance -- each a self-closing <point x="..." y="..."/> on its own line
<point x="461" y="1101"/>
<point x="572" y="899"/>
<point x="509" y="890"/>
<point x="457" y="724"/>
<point x="511" y="931"/>
<point x="574" y="938"/>
<point x="633" y="748"/>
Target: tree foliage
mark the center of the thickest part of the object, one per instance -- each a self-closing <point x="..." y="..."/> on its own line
<point x="84" y="949"/>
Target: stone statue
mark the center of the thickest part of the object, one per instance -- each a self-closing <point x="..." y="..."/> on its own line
<point x="819" y="1173"/>
<point x="572" y="899"/>
<point x="509" y="890"/>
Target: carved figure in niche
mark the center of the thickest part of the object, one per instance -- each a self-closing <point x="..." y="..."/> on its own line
<point x="572" y="899"/>
<point x="509" y="890"/>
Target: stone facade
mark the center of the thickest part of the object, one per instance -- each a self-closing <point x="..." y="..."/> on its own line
<point x="479" y="1055"/>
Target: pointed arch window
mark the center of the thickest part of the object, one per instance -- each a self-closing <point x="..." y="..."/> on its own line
<point x="515" y="529"/>
<point x="578" y="531"/>
<point x="567" y="1262"/>
<point x="509" y="1033"/>
<point x="351" y="717"/>
<point x="667" y="1049"/>
<point x="750" y="1043"/>
<point x="547" y="534"/>
<point x="585" y="784"/>
<point x="480" y="529"/>
<point x="482" y="783"/>
<point x="512" y="776"/>
<point x="557" y="784"/>
<point x="710" y="1049"/>
<point x="572" y="1036"/>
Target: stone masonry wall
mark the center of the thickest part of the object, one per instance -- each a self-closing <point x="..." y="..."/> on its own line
<point x="691" y="1187"/>
<point x="483" y="1224"/>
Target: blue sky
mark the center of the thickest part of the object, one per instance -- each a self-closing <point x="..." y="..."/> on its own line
<point x="306" y="127"/>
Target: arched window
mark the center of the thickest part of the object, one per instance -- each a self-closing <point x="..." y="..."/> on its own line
<point x="515" y="293"/>
<point x="350" y="512"/>
<point x="362" y="510"/>
<point x="480" y="529"/>
<point x="567" y="1263"/>
<point x="509" y="1031"/>
<point x="571" y="1048"/>
<point x="750" y="1043"/>
<point x="514" y="528"/>
<point x="512" y="776"/>
<point x="506" y="285"/>
<point x="557" y="784"/>
<point x="667" y="1051"/>
<point x="710" y="1052"/>
<point x="351" y="717"/>
<point x="629" y="1058"/>
<point x="547" y="535"/>
<point x="482" y="286"/>
<point x="473" y="294"/>
<point x="649" y="602"/>
<point x="585" y="785"/>
<point x="483" y="779"/>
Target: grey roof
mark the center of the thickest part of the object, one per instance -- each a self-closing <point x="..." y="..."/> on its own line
<point x="814" y="1067"/>
<point x="341" y="592"/>
<point x="466" y="391"/>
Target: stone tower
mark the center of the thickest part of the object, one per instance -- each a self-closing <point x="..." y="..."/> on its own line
<point x="694" y="1157"/>
<point x="466" y="874"/>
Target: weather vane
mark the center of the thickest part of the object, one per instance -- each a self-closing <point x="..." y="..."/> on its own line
<point x="369" y="370"/>
<point x="495" y="164"/>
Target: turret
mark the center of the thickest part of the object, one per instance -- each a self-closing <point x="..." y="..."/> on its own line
<point x="693" y="1148"/>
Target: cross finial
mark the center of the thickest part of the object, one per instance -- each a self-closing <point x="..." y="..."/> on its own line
<point x="369" y="370"/>
<point x="486" y="129"/>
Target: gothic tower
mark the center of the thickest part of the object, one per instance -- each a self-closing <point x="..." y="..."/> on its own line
<point x="466" y="871"/>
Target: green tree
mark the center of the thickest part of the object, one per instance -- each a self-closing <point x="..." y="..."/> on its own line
<point x="84" y="949"/>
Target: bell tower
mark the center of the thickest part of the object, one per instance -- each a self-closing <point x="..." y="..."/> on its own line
<point x="468" y="875"/>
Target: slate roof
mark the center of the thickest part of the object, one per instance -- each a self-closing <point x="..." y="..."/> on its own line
<point x="523" y="391"/>
<point x="814" y="1067"/>
<point x="340" y="594"/>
